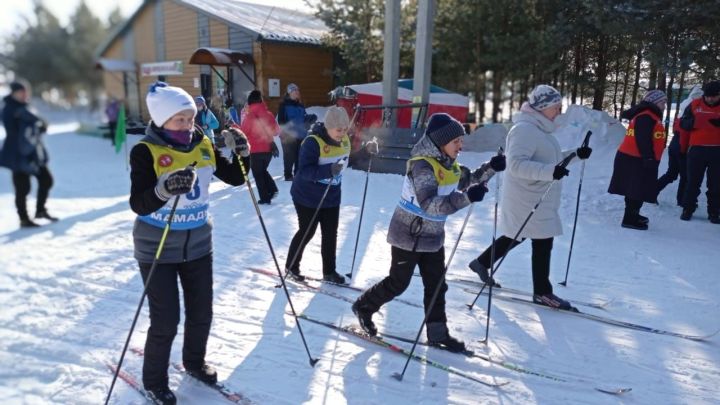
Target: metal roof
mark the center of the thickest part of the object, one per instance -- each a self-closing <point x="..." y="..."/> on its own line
<point x="268" y="22"/>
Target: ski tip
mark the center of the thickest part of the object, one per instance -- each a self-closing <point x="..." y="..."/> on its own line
<point x="313" y="362"/>
<point x="397" y="376"/>
<point x="617" y="391"/>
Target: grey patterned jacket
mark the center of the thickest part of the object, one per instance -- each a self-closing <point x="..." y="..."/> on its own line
<point x="411" y="232"/>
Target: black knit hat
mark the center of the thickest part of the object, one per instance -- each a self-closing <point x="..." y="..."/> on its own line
<point x="442" y="129"/>
<point x="712" y="89"/>
<point x="254" y="97"/>
<point x="17" y="86"/>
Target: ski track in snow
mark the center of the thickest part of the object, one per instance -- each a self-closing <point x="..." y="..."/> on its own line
<point x="68" y="292"/>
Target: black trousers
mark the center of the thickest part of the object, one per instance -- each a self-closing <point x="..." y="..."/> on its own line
<point x="21" y="182"/>
<point x="541" y="253"/>
<point x="432" y="266"/>
<point x="676" y="167"/>
<point x="163" y="298"/>
<point x="291" y="153"/>
<point x="699" y="160"/>
<point x="328" y="219"/>
<point x="266" y="186"/>
<point x="112" y="125"/>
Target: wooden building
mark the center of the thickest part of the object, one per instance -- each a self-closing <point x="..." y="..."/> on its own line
<point x="250" y="45"/>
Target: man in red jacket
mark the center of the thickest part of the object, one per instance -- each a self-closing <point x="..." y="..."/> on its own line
<point x="701" y="143"/>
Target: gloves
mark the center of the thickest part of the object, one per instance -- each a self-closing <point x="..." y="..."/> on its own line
<point x="372" y="147"/>
<point x="715" y="121"/>
<point x="649" y="163"/>
<point x="476" y="192"/>
<point x="498" y="163"/>
<point x="560" y="172"/>
<point x="176" y="182"/>
<point x="583" y="152"/>
<point x="465" y="177"/>
<point x="338" y="167"/>
<point x="236" y="141"/>
<point x="274" y="150"/>
<point x="43" y="126"/>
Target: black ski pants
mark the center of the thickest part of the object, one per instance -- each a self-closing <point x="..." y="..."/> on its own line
<point x="164" y="301"/>
<point x="699" y="160"/>
<point x="291" y="153"/>
<point x="676" y="167"/>
<point x="21" y="182"/>
<point x="541" y="253"/>
<point x="266" y="186"/>
<point x="432" y="267"/>
<point x="328" y="218"/>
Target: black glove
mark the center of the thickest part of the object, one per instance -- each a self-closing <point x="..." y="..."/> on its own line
<point x="237" y="142"/>
<point x="338" y="167"/>
<point x="465" y="177"/>
<point x="650" y="163"/>
<point x="476" y="192"/>
<point x="560" y="172"/>
<point x="176" y="182"/>
<point x="274" y="150"/>
<point x="43" y="126"/>
<point x="583" y="152"/>
<point x="498" y="163"/>
<point x="715" y="121"/>
<point x="371" y="147"/>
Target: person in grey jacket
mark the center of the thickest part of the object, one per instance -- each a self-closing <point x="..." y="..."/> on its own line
<point x="533" y="155"/>
<point x="417" y="227"/>
<point x="176" y="161"/>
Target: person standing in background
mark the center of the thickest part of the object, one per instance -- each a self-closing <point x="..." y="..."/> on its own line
<point x="295" y="123"/>
<point x="635" y="171"/>
<point x="701" y="120"/>
<point x="24" y="152"/>
<point x="205" y="118"/>
<point x="111" y="111"/>
<point x="261" y="128"/>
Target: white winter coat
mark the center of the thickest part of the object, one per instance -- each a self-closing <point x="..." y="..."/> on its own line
<point x="532" y="153"/>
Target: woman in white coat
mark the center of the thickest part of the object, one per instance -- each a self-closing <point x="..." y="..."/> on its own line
<point x="533" y="155"/>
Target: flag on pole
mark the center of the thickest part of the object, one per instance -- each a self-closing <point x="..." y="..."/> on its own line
<point x="120" y="134"/>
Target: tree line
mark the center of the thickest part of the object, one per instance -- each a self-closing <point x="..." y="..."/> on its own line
<point x="603" y="53"/>
<point x="56" y="57"/>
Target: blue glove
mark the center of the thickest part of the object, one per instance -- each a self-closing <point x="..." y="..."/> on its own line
<point x="476" y="192"/>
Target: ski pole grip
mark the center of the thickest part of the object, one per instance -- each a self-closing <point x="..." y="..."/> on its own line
<point x="586" y="141"/>
<point x="566" y="161"/>
<point x="501" y="151"/>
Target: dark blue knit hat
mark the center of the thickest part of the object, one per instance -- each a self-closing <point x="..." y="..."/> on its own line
<point x="442" y="129"/>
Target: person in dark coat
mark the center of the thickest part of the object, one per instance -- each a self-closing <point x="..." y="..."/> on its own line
<point x="635" y="171"/>
<point x="295" y="122"/>
<point x="677" y="165"/>
<point x="701" y="120"/>
<point x="176" y="161"/>
<point x="24" y="153"/>
<point x="323" y="157"/>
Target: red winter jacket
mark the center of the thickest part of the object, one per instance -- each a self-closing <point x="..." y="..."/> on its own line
<point x="703" y="133"/>
<point x="260" y="127"/>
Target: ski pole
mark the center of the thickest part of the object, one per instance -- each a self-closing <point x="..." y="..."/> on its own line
<point x="362" y="210"/>
<point x="399" y="376"/>
<point x="492" y="254"/>
<point x="277" y="265"/>
<point x="158" y="252"/>
<point x="514" y="242"/>
<point x="585" y="143"/>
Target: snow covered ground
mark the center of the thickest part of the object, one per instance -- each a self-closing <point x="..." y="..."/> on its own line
<point x="68" y="292"/>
